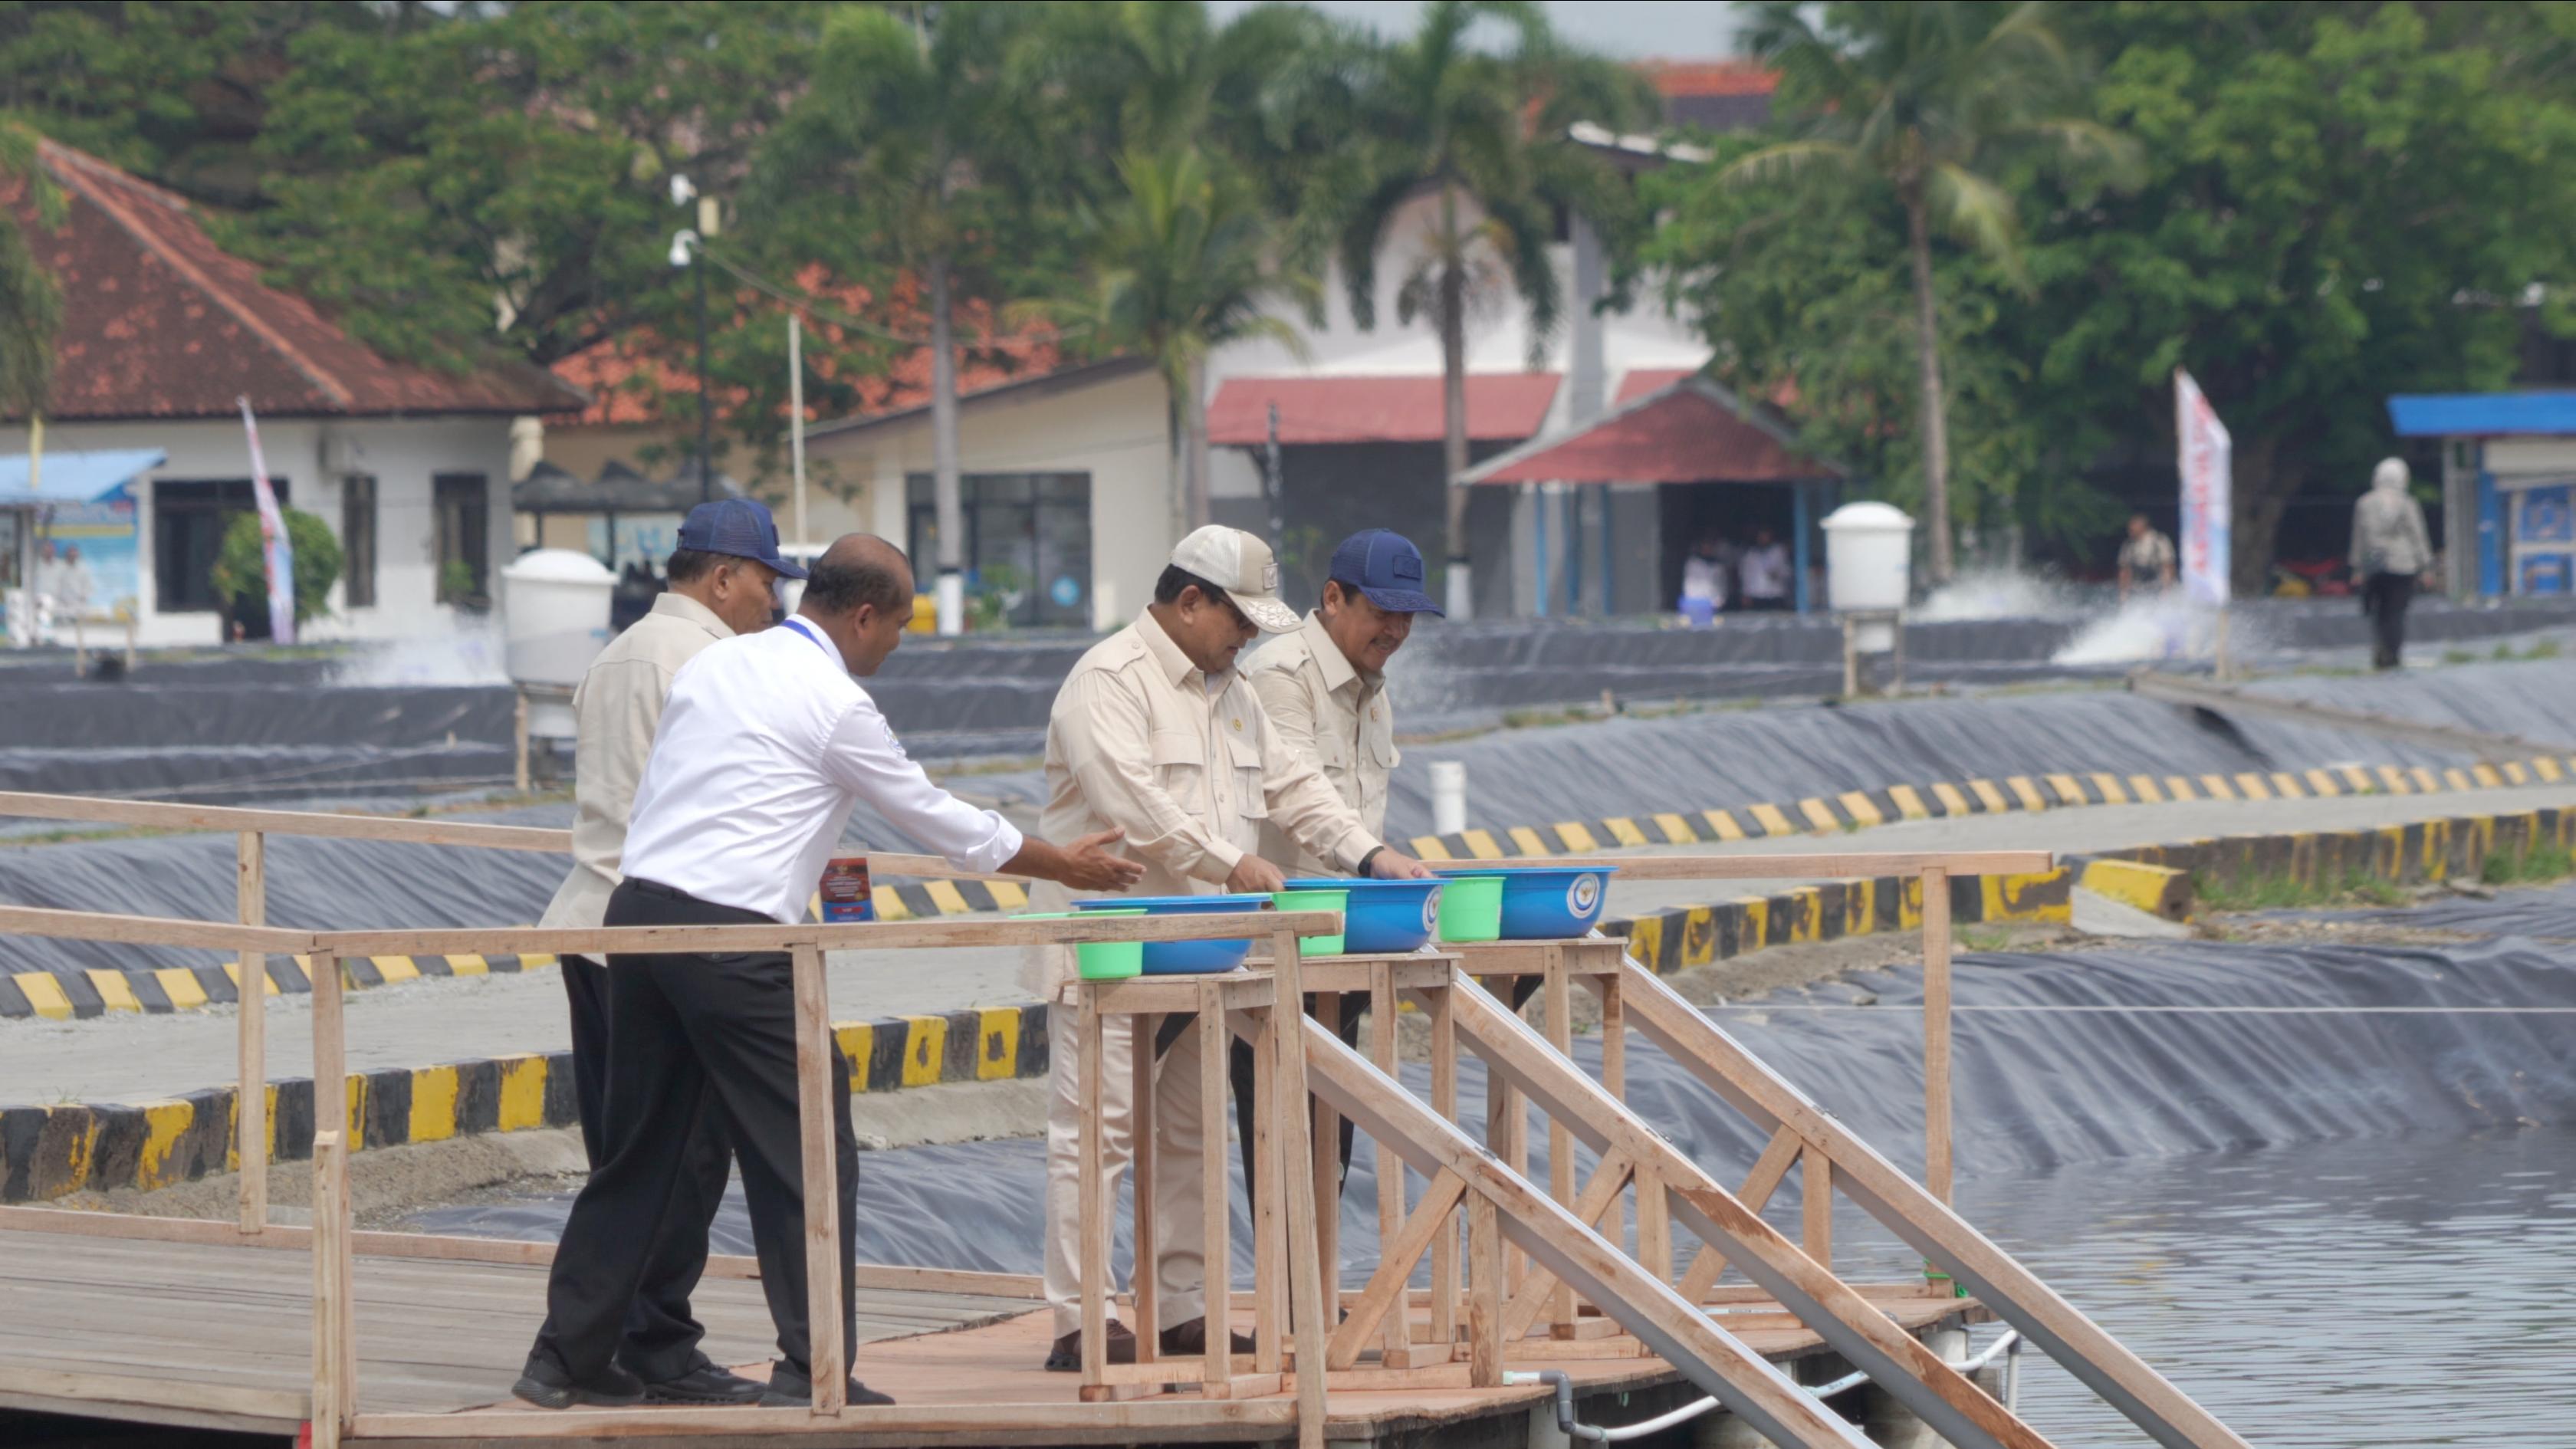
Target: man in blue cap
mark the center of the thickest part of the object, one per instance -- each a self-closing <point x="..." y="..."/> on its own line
<point x="724" y="581"/>
<point x="1324" y="688"/>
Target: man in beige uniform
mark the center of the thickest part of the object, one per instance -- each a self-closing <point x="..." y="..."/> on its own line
<point x="1155" y="735"/>
<point x="724" y="577"/>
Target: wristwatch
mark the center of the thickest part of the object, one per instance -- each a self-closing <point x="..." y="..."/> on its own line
<point x="1362" y="868"/>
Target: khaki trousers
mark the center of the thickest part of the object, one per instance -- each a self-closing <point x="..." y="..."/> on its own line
<point x="1179" y="1127"/>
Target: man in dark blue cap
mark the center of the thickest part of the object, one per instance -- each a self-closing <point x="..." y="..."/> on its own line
<point x="1324" y="688"/>
<point x="724" y="581"/>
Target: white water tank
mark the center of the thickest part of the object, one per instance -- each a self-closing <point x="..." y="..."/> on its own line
<point x="1869" y="553"/>
<point x="554" y="616"/>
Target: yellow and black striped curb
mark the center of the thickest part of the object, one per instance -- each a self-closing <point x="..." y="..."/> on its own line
<point x="2418" y="851"/>
<point x="47" y="1152"/>
<point x="100" y="989"/>
<point x="1684" y="936"/>
<point x="1856" y="809"/>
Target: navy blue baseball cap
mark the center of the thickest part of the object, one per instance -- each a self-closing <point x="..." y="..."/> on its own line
<point x="740" y="527"/>
<point x="1384" y="565"/>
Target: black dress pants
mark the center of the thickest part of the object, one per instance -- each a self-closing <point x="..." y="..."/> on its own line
<point x="661" y="1336"/>
<point x="1239" y="1075"/>
<point x="2384" y="598"/>
<point x="694" y="1036"/>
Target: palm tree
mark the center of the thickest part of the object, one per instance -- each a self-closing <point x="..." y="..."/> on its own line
<point x="1180" y="264"/>
<point x="1925" y="97"/>
<point x="1479" y="132"/>
<point x="894" y="156"/>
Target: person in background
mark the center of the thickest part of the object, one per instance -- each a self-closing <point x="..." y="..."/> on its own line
<point x="1703" y="582"/>
<point x="1158" y="737"/>
<point x="1763" y="577"/>
<point x="2391" y="553"/>
<point x="46" y="579"/>
<point x="2146" y="558"/>
<point x="73" y="584"/>
<point x="724" y="582"/>
<point x="1324" y="688"/>
<point x="766" y="744"/>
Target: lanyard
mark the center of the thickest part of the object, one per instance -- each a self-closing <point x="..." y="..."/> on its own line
<point x="834" y="654"/>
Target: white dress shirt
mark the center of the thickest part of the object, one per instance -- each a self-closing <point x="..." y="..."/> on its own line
<point x="765" y="745"/>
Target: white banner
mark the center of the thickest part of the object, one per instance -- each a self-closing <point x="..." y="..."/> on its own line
<point x="2204" y="448"/>
<point x="275" y="550"/>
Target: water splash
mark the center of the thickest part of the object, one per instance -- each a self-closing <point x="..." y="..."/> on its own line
<point x="468" y="652"/>
<point x="2151" y="628"/>
<point x="2001" y="593"/>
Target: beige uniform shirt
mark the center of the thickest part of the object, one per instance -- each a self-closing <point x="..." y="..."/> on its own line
<point x="618" y="706"/>
<point x="1139" y="742"/>
<point x="1327" y="711"/>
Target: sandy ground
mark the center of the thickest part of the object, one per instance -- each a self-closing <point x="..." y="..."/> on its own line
<point x="136" y="1058"/>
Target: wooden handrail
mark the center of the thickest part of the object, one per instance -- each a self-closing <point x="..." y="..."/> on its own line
<point x="150" y="931"/>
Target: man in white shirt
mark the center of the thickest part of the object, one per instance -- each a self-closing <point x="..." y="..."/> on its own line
<point x="766" y="743"/>
<point x="1763" y="575"/>
<point x="724" y="581"/>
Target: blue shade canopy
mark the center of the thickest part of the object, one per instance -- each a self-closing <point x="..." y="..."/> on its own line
<point x="2482" y="414"/>
<point x="75" y="477"/>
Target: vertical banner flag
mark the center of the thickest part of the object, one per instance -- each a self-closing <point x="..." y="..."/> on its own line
<point x="2204" y="447"/>
<point x="274" y="548"/>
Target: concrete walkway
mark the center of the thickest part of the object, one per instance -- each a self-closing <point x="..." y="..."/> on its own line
<point x="130" y="1058"/>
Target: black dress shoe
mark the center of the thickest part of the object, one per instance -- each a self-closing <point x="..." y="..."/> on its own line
<point x="1189" y="1340"/>
<point x="546" y="1384"/>
<point x="705" y="1383"/>
<point x="1066" y="1357"/>
<point x="789" y="1388"/>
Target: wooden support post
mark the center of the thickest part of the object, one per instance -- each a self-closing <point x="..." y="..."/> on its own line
<point x="1398" y="1339"/>
<point x="1560" y="1142"/>
<point x="1307" y="1276"/>
<point x="519" y="734"/>
<point x="330" y="1051"/>
<point x="1816" y="1185"/>
<point x="334" y="1367"/>
<point x="1614" y="1036"/>
<point x="828" y="1357"/>
<point x="1936" y="1031"/>
<point x="1444" y="1100"/>
<point x="1327" y="1144"/>
<point x="1654" y="1222"/>
<point x="250" y="1082"/>
<point x="1269" y="1206"/>
<point x="1144" y="1281"/>
<point x="1215" y="1044"/>
<point x="1093" y="1220"/>
<point x="1484" y="1293"/>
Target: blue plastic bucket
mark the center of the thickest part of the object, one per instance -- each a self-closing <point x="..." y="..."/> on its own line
<point x="1186" y="958"/>
<point x="1549" y="902"/>
<point x="1384" y="917"/>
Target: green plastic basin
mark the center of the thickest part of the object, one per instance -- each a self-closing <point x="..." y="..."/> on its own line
<point x="1471" y="907"/>
<point x="1106" y="961"/>
<point x="1336" y="901"/>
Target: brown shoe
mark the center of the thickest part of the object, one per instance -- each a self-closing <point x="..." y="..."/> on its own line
<point x="1067" y="1355"/>
<point x="1189" y="1340"/>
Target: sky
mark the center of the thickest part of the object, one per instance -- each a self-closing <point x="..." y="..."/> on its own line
<point x="1628" y="29"/>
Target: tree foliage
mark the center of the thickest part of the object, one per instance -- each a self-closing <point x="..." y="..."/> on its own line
<point x="240" y="572"/>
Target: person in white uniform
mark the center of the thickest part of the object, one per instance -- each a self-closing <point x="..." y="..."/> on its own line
<point x="766" y="744"/>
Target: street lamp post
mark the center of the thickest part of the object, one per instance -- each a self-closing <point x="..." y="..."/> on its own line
<point x="686" y="246"/>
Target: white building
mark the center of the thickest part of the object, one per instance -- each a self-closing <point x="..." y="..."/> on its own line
<point x="163" y="334"/>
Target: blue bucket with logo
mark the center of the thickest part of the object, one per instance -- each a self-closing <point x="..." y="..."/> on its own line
<point x="1550" y="902"/>
<point x="1186" y="958"/>
<point x="1384" y="917"/>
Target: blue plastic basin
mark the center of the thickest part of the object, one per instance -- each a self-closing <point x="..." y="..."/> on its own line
<point x="1384" y="917"/>
<point x="1549" y="902"/>
<point x="1186" y="958"/>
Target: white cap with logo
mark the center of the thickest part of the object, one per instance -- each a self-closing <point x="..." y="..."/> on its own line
<point x="1240" y="564"/>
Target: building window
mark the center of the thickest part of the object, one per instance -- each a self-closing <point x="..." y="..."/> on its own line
<point x="464" y="511"/>
<point x="358" y="540"/>
<point x="189" y="517"/>
<point x="1028" y="542"/>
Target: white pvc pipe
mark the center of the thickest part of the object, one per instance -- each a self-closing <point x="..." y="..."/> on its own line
<point x="1448" y="797"/>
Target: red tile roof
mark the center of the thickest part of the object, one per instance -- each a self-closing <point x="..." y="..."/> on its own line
<point x="1689" y="431"/>
<point x="1674" y="79"/>
<point x="1639" y="381"/>
<point x="1501" y="407"/>
<point x="159" y="322"/>
<point x="627" y="376"/>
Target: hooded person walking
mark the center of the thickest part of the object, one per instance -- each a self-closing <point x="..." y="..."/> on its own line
<point x="2391" y="554"/>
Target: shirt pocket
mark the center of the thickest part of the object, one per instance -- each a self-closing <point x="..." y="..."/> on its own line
<point x="1249" y="801"/>
<point x="1378" y="744"/>
<point x="1180" y="768"/>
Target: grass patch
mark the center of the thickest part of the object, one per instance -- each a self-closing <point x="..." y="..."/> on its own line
<point x="2282" y="892"/>
<point x="1981" y="938"/>
<point x="2543" y="862"/>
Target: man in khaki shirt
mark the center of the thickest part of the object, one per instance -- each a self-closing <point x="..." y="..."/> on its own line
<point x="723" y="578"/>
<point x="1157" y="736"/>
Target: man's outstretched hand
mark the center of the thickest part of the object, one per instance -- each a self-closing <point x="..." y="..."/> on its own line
<point x="1088" y="865"/>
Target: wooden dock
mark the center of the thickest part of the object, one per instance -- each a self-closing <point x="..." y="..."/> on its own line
<point x="209" y="1335"/>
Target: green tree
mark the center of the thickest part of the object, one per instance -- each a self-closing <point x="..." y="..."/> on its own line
<point x="898" y="158"/>
<point x="31" y="305"/>
<point x="240" y="573"/>
<point x="2340" y="203"/>
<point x="1179" y="265"/>
<point x="1925" y="98"/>
<point x="1480" y="132"/>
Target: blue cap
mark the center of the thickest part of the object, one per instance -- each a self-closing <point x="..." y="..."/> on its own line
<point x="1384" y="565"/>
<point x="739" y="527"/>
